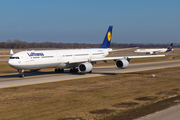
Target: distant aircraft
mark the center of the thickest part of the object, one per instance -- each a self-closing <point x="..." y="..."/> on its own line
<point x="154" y="51"/>
<point x="81" y="60"/>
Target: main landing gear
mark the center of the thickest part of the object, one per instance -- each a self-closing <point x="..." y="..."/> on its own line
<point x="21" y="73"/>
<point x="59" y="70"/>
<point x="74" y="70"/>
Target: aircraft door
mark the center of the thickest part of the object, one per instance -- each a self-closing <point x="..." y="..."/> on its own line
<point x="58" y="57"/>
<point x="28" y="59"/>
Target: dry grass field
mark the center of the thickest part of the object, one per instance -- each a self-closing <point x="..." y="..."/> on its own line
<point x="89" y="98"/>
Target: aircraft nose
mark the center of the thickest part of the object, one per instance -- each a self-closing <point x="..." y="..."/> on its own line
<point x="9" y="62"/>
<point x="12" y="63"/>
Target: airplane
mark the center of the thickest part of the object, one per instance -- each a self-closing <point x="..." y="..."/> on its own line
<point x="77" y="60"/>
<point x="154" y="51"/>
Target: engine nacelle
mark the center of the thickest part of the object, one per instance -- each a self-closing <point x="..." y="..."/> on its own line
<point x="85" y="67"/>
<point x="122" y="63"/>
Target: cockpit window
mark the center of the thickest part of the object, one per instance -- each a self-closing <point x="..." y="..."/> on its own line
<point x="14" y="57"/>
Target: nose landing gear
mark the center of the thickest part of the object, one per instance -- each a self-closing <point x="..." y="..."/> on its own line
<point x="21" y="73"/>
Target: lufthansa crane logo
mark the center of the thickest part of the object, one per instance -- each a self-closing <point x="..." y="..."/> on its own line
<point x="109" y="36"/>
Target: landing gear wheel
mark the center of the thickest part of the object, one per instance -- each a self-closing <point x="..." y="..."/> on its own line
<point x="70" y="70"/>
<point x="21" y="73"/>
<point x="22" y="76"/>
<point x="74" y="70"/>
<point x="59" y="70"/>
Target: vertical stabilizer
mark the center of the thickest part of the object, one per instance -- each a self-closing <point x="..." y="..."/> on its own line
<point x="169" y="47"/>
<point x="107" y="40"/>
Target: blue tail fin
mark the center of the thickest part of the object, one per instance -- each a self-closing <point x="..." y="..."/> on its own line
<point x="107" y="39"/>
<point x="169" y="47"/>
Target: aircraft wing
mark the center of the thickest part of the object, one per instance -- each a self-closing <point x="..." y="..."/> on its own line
<point x="123" y="49"/>
<point x="110" y="58"/>
<point x="125" y="57"/>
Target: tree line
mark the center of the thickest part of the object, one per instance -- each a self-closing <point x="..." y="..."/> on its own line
<point x="17" y="44"/>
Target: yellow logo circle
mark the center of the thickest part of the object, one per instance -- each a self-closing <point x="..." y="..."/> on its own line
<point x="109" y="36"/>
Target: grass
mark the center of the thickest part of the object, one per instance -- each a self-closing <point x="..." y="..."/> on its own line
<point x="145" y="109"/>
<point x="103" y="97"/>
<point x="5" y="68"/>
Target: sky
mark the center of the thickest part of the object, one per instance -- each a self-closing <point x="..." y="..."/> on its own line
<point x="87" y="21"/>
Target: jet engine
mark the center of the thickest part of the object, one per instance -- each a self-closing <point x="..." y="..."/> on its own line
<point x="85" y="67"/>
<point x="122" y="63"/>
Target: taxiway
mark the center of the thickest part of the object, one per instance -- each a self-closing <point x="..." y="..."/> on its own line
<point x="168" y="114"/>
<point x="50" y="76"/>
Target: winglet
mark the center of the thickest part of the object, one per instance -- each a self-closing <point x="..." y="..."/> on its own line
<point x="11" y="52"/>
<point x="107" y="39"/>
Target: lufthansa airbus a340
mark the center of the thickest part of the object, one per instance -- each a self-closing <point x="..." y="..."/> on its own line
<point x="155" y="51"/>
<point x="81" y="60"/>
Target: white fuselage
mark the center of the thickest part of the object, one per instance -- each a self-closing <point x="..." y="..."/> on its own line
<point x="150" y="51"/>
<point x="30" y="60"/>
